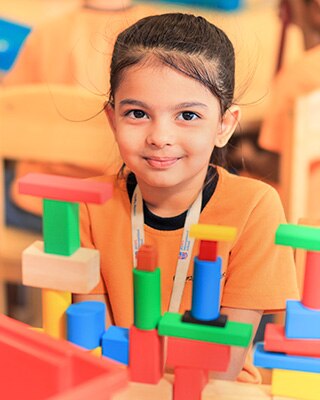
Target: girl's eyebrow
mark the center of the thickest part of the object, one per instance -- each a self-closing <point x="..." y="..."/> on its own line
<point x="179" y="106"/>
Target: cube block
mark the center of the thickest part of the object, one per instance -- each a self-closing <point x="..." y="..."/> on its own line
<point x="301" y="322"/>
<point x="115" y="344"/>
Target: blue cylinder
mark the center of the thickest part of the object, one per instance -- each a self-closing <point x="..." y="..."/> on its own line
<point x="86" y="323"/>
<point x="206" y="289"/>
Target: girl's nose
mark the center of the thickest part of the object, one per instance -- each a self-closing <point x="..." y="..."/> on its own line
<point x="160" y="135"/>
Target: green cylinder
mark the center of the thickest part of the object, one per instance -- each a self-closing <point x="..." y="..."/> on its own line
<point x="147" y="298"/>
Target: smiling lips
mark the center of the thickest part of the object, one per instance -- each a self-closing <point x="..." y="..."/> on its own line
<point x="161" y="162"/>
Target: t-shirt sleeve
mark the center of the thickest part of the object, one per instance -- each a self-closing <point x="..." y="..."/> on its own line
<point x="261" y="275"/>
<point x="87" y="241"/>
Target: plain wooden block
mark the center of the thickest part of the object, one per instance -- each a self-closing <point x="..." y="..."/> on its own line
<point x="78" y="273"/>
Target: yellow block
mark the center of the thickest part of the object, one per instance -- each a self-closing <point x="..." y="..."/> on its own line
<point x="54" y="306"/>
<point x="213" y="232"/>
<point x="96" y="352"/>
<point x="297" y="384"/>
<point x="36" y="329"/>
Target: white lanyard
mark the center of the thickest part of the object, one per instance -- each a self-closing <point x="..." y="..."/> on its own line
<point x="137" y="226"/>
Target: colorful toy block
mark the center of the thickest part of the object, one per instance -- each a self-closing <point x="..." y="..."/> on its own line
<point x="311" y="292"/>
<point x="54" y="306"/>
<point x="79" y="273"/>
<point x="196" y="354"/>
<point x="220" y="321"/>
<point x="297" y="384"/>
<point x="64" y="188"/>
<point x="147" y="258"/>
<point x="35" y="366"/>
<point x="146" y="355"/>
<point x="207" y="250"/>
<point x="298" y="236"/>
<point x="206" y="289"/>
<point x="189" y="383"/>
<point x="86" y="323"/>
<point x="301" y="322"/>
<point x="266" y="359"/>
<point x="234" y="333"/>
<point x="115" y="344"/>
<point x="213" y="232"/>
<point x="147" y="298"/>
<point x="60" y="227"/>
<point x="276" y="341"/>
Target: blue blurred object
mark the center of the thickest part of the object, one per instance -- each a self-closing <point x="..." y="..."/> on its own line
<point x="223" y="5"/>
<point x="12" y="37"/>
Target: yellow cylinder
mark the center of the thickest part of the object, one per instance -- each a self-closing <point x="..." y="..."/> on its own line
<point x="54" y="306"/>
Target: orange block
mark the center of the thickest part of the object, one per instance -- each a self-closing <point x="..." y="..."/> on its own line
<point x="276" y="341"/>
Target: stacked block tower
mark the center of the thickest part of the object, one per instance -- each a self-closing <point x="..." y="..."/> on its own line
<point x="293" y="351"/>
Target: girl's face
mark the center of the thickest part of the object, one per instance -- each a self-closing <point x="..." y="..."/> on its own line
<point x="166" y="126"/>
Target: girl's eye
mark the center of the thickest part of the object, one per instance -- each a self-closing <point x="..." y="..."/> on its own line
<point x="136" y="114"/>
<point x="188" y="116"/>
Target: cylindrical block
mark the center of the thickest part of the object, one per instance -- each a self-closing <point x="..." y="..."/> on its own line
<point x="54" y="306"/>
<point x="206" y="289"/>
<point x="147" y="298"/>
<point x="311" y="292"/>
<point x="86" y="323"/>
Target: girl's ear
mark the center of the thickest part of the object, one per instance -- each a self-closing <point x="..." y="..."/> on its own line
<point x="229" y="123"/>
<point x="109" y="110"/>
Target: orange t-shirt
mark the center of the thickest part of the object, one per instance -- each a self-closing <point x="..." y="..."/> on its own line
<point x="257" y="274"/>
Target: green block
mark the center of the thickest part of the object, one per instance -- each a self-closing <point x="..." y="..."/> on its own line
<point x="298" y="236"/>
<point x="233" y="333"/>
<point x="147" y="298"/>
<point x="60" y="227"/>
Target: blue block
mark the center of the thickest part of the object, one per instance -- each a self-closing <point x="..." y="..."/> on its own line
<point x="206" y="289"/>
<point x="115" y="344"/>
<point x="86" y="323"/>
<point x="265" y="359"/>
<point x="12" y="37"/>
<point x="301" y="322"/>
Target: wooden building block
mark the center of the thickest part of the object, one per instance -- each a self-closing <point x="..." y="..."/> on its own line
<point x="264" y="359"/>
<point x="115" y="344"/>
<point x="64" y="188"/>
<point x="197" y="354"/>
<point x="213" y="232"/>
<point x="79" y="273"/>
<point x="147" y="258"/>
<point x="311" y="292"/>
<point x="35" y="366"/>
<point x="146" y="356"/>
<point x="298" y="236"/>
<point x="60" y="227"/>
<point x="54" y="306"/>
<point x="296" y="384"/>
<point x="276" y="341"/>
<point x="189" y="383"/>
<point x="301" y="322"/>
<point x="234" y="333"/>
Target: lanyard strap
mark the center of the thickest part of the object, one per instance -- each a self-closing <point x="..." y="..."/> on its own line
<point x="186" y="246"/>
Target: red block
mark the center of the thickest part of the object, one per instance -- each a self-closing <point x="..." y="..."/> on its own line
<point x="276" y="341"/>
<point x="207" y="250"/>
<point x="189" y="383"/>
<point x="147" y="258"/>
<point x="197" y="354"/>
<point x="35" y="366"/>
<point x="311" y="292"/>
<point x="146" y="355"/>
<point x="64" y="188"/>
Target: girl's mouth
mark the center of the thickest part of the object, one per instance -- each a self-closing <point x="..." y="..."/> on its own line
<point x="162" y="162"/>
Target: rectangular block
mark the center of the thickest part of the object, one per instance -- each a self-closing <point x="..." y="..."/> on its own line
<point x="79" y="273"/>
<point x="276" y="341"/>
<point x="189" y="383"/>
<point x="34" y="366"/>
<point x="196" y="354"/>
<point x="213" y="232"/>
<point x="64" y="188"/>
<point x="300" y="385"/>
<point x="146" y="356"/>
<point x="298" y="236"/>
<point x="60" y="227"/>
<point x="234" y="333"/>
<point x="301" y="322"/>
<point x="264" y="359"/>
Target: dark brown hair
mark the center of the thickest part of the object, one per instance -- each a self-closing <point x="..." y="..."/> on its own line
<point x="186" y="43"/>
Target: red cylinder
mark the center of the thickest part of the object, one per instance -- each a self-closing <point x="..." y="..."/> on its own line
<point x="311" y="285"/>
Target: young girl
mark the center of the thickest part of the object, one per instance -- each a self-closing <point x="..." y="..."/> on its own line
<point x="171" y="110"/>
